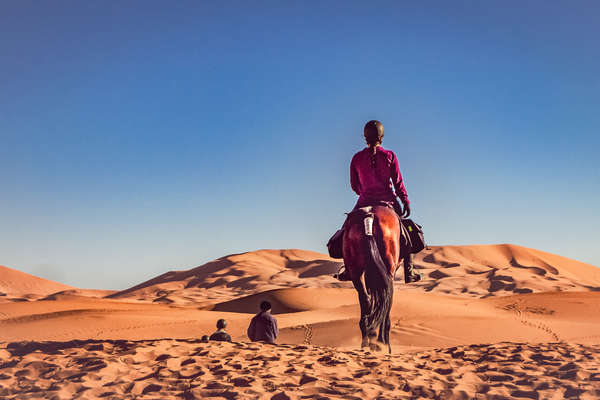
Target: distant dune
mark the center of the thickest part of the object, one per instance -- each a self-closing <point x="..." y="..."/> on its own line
<point x="474" y="271"/>
<point x="500" y="270"/>
<point x="238" y="275"/>
<point x="16" y="285"/>
<point x="79" y="293"/>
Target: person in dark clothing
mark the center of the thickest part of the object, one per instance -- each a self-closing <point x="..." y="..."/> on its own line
<point x="263" y="326"/>
<point x="220" y="335"/>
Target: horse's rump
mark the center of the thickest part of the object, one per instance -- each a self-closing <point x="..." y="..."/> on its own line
<point x="371" y="246"/>
<point x="385" y="229"/>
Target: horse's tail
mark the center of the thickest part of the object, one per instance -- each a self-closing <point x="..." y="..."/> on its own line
<point x="379" y="282"/>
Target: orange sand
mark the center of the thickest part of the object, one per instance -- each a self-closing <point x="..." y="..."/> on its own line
<point x="497" y="321"/>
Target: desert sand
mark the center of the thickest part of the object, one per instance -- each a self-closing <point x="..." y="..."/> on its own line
<point x="496" y="321"/>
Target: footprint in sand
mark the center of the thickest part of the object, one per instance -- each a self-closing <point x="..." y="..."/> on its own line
<point x="190" y="373"/>
<point x="217" y="385"/>
<point x="91" y="364"/>
<point x="371" y="364"/>
<point x="513" y="372"/>
<point x="443" y="371"/>
<point x="307" y="379"/>
<point x="243" y="381"/>
<point x="236" y="365"/>
<point x="151" y="388"/>
<point x="280" y="396"/>
<point x="525" y="394"/>
<point x="361" y="373"/>
<point x="187" y="361"/>
<point x="219" y="371"/>
<point x="499" y="378"/>
<point x="162" y="357"/>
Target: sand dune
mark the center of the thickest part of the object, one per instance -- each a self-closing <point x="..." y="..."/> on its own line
<point x="291" y="300"/>
<point x="238" y="275"/>
<point x="307" y="299"/>
<point x="20" y="286"/>
<point x="98" y="293"/>
<point x="487" y="322"/>
<point x="500" y="270"/>
<point x="423" y="320"/>
<point x="474" y="271"/>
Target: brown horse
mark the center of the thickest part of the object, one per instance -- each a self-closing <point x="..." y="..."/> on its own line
<point x="371" y="254"/>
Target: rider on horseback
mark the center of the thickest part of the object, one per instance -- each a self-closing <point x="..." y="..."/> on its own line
<point x="375" y="177"/>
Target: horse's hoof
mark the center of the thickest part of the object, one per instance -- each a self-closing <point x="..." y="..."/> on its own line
<point x="375" y="347"/>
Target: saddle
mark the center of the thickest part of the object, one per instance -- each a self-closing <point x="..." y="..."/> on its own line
<point x="411" y="234"/>
<point x="364" y="212"/>
<point x="335" y="243"/>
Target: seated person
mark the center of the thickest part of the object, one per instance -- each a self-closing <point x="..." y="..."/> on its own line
<point x="220" y="335"/>
<point x="263" y="326"/>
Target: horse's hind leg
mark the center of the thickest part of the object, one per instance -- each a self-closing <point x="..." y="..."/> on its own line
<point x="363" y="300"/>
<point x="384" y="332"/>
<point x="387" y="324"/>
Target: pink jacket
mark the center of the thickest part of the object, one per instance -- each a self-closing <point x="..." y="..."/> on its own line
<point x="376" y="178"/>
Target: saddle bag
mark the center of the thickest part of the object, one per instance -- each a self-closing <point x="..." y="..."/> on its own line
<point x="335" y="245"/>
<point x="415" y="235"/>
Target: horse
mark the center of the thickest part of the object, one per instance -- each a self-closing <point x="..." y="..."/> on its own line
<point x="371" y="250"/>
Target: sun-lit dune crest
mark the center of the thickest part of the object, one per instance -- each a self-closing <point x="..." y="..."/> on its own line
<point x="472" y="271"/>
<point x="17" y="285"/>
<point x="238" y="275"/>
<point x="75" y="293"/>
<point x="500" y="270"/>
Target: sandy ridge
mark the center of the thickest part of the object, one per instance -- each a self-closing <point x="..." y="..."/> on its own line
<point x="469" y="271"/>
<point x="16" y="285"/>
<point x="190" y="369"/>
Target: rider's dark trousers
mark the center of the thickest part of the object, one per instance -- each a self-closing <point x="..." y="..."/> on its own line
<point x="408" y="260"/>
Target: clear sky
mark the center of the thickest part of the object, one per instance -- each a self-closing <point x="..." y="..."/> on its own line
<point x="141" y="137"/>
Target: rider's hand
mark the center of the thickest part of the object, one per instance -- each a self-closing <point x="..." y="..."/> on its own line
<point x="406" y="212"/>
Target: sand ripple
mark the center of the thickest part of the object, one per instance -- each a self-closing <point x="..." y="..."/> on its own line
<point x="190" y="369"/>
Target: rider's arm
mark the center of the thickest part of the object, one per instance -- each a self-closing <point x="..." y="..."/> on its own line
<point x="397" y="181"/>
<point x="354" y="182"/>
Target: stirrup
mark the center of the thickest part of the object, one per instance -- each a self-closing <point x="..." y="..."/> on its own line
<point x="414" y="277"/>
<point x="342" y="274"/>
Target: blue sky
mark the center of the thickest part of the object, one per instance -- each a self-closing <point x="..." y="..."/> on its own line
<point x="143" y="137"/>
